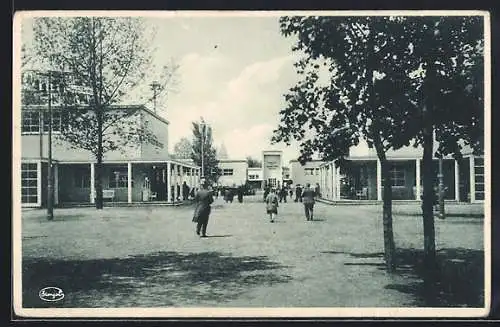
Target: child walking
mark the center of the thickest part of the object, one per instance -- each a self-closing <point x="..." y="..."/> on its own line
<point x="272" y="205"/>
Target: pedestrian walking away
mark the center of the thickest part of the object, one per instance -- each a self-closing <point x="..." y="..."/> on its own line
<point x="266" y="192"/>
<point x="272" y="205"/>
<point x="240" y="194"/>
<point x="203" y="199"/>
<point x="298" y="193"/>
<point x="308" y="199"/>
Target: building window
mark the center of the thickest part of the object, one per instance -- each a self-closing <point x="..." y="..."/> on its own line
<point x="29" y="183"/>
<point x="227" y="172"/>
<point x="56" y="121"/>
<point x="253" y="176"/>
<point x="309" y="171"/>
<point x="479" y="178"/>
<point x="31" y="121"/>
<point x="118" y="178"/>
<point x="317" y="171"/>
<point x="397" y="175"/>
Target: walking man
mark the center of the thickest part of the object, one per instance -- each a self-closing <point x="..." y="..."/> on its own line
<point x="298" y="193"/>
<point x="203" y="199"/>
<point x="308" y="199"/>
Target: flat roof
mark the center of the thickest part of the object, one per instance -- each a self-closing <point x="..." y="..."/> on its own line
<point x="232" y="160"/>
<point x="113" y="107"/>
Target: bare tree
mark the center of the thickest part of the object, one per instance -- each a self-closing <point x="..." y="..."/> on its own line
<point x="108" y="58"/>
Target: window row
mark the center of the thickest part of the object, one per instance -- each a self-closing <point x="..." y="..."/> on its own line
<point x="311" y="171"/>
<point x="29" y="183"/>
<point x="227" y="172"/>
<point x="33" y="121"/>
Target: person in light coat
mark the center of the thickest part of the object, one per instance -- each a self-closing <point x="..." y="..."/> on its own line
<point x="272" y="205"/>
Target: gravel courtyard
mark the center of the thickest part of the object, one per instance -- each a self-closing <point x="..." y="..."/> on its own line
<point x="151" y="257"/>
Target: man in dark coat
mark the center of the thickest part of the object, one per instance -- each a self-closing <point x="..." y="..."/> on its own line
<point x="308" y="199"/>
<point x="266" y="192"/>
<point x="203" y="200"/>
<point x="240" y="194"/>
<point x="185" y="191"/>
<point x="282" y="195"/>
<point x="298" y="194"/>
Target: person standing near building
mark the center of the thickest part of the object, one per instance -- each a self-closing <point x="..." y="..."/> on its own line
<point x="308" y="200"/>
<point x="298" y="193"/>
<point x="240" y="194"/>
<point x="283" y="194"/>
<point x="317" y="190"/>
<point x="185" y="191"/>
<point x="272" y="205"/>
<point x="266" y="193"/>
<point x="203" y="199"/>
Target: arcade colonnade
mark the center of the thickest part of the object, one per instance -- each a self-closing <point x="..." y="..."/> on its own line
<point x="464" y="180"/>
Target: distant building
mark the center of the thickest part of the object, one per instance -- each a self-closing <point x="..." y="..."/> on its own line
<point x="303" y="174"/>
<point x="464" y="180"/>
<point x="233" y="172"/>
<point x="286" y="175"/>
<point x="254" y="177"/>
<point x="272" y="168"/>
<point x="137" y="173"/>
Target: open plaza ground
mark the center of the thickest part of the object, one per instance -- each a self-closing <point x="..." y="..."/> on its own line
<point x="150" y="256"/>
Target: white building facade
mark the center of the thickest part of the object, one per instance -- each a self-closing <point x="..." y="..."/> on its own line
<point x="272" y="168"/>
<point x="361" y="179"/>
<point x="233" y="172"/>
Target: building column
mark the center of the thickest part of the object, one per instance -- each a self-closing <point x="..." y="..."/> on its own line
<point x="92" y="183"/>
<point x="39" y="183"/>
<point x="337" y="183"/>
<point x="176" y="181"/>
<point x="330" y="181"/>
<point x="417" y="179"/>
<point x="321" y="178"/>
<point x="56" y="184"/>
<point x="169" y="181"/>
<point x="379" y="180"/>
<point x="457" y="181"/>
<point x="472" y="177"/>
<point x="129" y="182"/>
<point x="181" y="195"/>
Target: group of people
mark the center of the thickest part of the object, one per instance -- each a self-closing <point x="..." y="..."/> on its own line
<point x="228" y="193"/>
<point x="307" y="196"/>
<point x="204" y="198"/>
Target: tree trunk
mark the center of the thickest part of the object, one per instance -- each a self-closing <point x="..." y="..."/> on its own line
<point x="427" y="202"/>
<point x="98" y="181"/>
<point x="389" y="246"/>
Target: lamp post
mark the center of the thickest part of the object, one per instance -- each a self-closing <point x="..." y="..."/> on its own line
<point x="155" y="87"/>
<point x="202" y="124"/>
<point x="441" y="188"/>
<point x="50" y="186"/>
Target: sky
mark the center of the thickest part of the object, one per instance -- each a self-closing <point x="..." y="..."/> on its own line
<point x="233" y="72"/>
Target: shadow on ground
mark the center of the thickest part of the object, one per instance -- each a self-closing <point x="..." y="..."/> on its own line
<point x="458" y="280"/>
<point x="450" y="216"/>
<point x="155" y="280"/>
